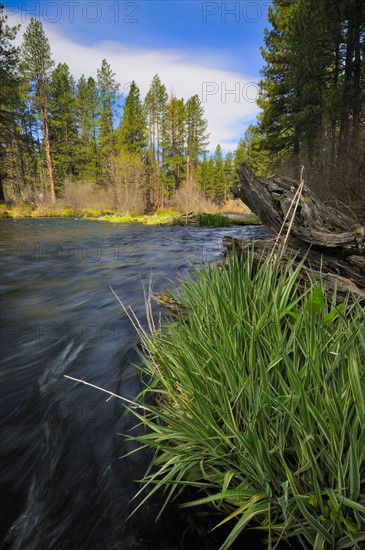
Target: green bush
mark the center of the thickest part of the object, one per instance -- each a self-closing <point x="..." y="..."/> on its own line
<point x="260" y="405"/>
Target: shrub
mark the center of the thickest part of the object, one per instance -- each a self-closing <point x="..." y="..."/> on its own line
<point x="189" y="198"/>
<point x="260" y="405"/>
<point x="86" y="195"/>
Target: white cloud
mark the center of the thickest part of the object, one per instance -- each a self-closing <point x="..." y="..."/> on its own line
<point x="228" y="97"/>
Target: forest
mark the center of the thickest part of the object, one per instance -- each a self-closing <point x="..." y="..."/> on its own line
<point x="63" y="138"/>
<point x="312" y="99"/>
<point x="83" y="142"/>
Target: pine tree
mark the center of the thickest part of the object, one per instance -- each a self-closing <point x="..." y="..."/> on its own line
<point x="277" y="93"/>
<point x="24" y="164"/>
<point x="205" y="174"/>
<point x="197" y="137"/>
<point x="107" y="88"/>
<point x="36" y="68"/>
<point x="173" y="144"/>
<point x="220" y="189"/>
<point x="132" y="131"/>
<point x="229" y="172"/>
<point x="313" y="97"/>
<point x="87" y="108"/>
<point x="9" y="96"/>
<point x="353" y="71"/>
<point x="62" y="123"/>
<point x="155" y="103"/>
<point x="251" y="149"/>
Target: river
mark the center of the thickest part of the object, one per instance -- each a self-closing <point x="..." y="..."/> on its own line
<point x="65" y="483"/>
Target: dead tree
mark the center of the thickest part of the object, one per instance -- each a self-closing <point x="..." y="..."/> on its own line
<point x="332" y="242"/>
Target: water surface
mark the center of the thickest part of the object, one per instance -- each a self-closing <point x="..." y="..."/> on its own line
<point x="65" y="483"/>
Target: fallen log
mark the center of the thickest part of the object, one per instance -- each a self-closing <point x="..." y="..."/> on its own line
<point x="314" y="267"/>
<point x="332" y="242"/>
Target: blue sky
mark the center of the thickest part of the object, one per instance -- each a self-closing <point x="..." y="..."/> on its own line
<point x="208" y="48"/>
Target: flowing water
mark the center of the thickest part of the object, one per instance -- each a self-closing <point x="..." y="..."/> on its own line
<point x="65" y="483"/>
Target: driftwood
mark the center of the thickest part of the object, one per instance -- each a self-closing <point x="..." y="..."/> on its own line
<point x="177" y="309"/>
<point x="333" y="243"/>
<point x="192" y="219"/>
<point x="314" y="268"/>
<point x="189" y="218"/>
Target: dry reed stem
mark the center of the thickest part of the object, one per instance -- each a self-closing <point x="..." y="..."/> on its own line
<point x="129" y="401"/>
<point x="294" y="206"/>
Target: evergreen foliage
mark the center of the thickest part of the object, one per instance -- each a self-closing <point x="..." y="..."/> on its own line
<point x="107" y="95"/>
<point x="56" y="131"/>
<point x="313" y="96"/>
<point x="63" y="129"/>
<point x="312" y="113"/>
<point x="155" y="103"/>
<point x="9" y="96"/>
<point x="36" y="66"/>
<point x="87" y="119"/>
<point x="197" y="136"/>
<point x="173" y="144"/>
<point x="133" y="125"/>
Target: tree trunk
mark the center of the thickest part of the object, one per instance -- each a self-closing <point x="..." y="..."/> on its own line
<point x="2" y="196"/>
<point x="357" y="67"/>
<point x="347" y="95"/>
<point x="47" y="148"/>
<point x="333" y="243"/>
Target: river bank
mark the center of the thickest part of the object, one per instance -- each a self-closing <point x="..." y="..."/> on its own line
<point x="25" y="211"/>
<point x="161" y="217"/>
<point x="259" y="379"/>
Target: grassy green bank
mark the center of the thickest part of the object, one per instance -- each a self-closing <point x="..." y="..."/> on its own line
<point x="167" y="216"/>
<point x="260" y="405"/>
<point x="29" y="211"/>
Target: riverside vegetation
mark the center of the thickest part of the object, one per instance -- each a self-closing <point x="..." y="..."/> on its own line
<point x="63" y="137"/>
<point x="59" y="134"/>
<point x="258" y="405"/>
<point x="168" y="216"/>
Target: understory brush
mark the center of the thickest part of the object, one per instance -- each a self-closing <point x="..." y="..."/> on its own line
<point x="259" y="405"/>
<point x="189" y="198"/>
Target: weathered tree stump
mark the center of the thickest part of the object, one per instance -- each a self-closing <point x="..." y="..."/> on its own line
<point x="332" y="242"/>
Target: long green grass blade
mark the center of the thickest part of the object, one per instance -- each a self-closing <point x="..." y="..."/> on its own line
<point x="258" y="405"/>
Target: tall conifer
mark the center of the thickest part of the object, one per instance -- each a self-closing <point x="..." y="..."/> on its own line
<point x="36" y="68"/>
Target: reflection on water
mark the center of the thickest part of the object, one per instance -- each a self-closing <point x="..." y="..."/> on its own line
<point x="64" y="481"/>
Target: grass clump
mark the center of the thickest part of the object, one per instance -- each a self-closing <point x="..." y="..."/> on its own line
<point x="247" y="220"/>
<point x="213" y="220"/>
<point x="179" y="221"/>
<point x="203" y="220"/>
<point x="158" y="218"/>
<point x="260" y="405"/>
